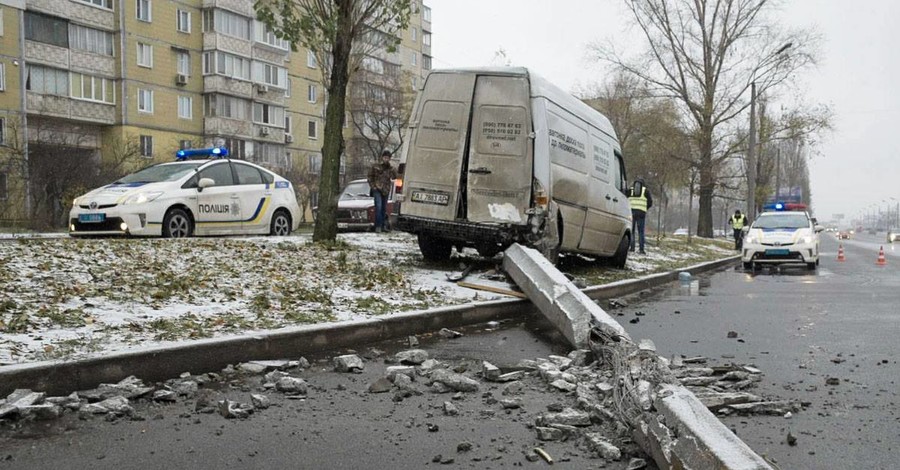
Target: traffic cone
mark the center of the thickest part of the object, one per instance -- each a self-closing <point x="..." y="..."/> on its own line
<point x="881" y="261"/>
<point x="841" y="253"/>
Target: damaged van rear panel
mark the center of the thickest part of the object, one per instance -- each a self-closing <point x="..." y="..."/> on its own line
<point x="496" y="156"/>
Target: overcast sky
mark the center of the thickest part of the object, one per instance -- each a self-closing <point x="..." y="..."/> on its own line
<point x="857" y="166"/>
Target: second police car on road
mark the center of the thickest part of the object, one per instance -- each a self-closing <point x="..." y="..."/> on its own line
<point x="210" y="196"/>
<point x="782" y="237"/>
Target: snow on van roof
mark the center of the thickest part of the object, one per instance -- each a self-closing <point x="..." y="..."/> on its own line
<point x="543" y="88"/>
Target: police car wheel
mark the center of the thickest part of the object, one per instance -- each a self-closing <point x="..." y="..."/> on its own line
<point x="177" y="224"/>
<point x="281" y="224"/>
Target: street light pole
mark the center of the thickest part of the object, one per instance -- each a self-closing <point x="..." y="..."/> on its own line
<point x="751" y="157"/>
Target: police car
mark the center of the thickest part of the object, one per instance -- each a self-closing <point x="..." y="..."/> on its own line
<point x="784" y="235"/>
<point x="201" y="193"/>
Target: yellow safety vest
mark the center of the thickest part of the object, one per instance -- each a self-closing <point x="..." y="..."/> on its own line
<point x="737" y="223"/>
<point x="639" y="202"/>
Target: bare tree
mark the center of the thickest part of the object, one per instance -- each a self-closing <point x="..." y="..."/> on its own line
<point x="705" y="54"/>
<point x="380" y="107"/>
<point x="340" y="33"/>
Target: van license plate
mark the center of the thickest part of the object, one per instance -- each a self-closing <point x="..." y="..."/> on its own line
<point x="91" y="218"/>
<point x="441" y="199"/>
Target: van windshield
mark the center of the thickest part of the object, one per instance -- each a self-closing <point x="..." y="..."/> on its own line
<point x="161" y="172"/>
<point x="784" y="221"/>
<point x="356" y="190"/>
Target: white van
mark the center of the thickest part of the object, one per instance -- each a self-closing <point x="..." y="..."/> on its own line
<point x="499" y="155"/>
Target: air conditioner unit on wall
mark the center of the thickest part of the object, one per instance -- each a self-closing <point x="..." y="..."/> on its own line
<point x="288" y="138"/>
<point x="263" y="131"/>
<point x="263" y="89"/>
<point x="181" y="79"/>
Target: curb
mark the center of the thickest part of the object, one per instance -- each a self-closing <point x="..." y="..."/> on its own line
<point x="201" y="356"/>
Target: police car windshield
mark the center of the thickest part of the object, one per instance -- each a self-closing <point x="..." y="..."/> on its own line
<point x="356" y="191"/>
<point x="785" y="221"/>
<point x="162" y="172"/>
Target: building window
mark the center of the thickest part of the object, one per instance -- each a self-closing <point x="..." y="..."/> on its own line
<point x="225" y="64"/>
<point x="90" y="39"/>
<point x="4" y="187"/>
<point x="414" y="59"/>
<point x="310" y="59"/>
<point x="226" y="106"/>
<point x="183" y="21"/>
<point x="313" y="129"/>
<point x="426" y="13"/>
<point x="426" y="38"/>
<point x="226" y="22"/>
<point x="1" y="22"/>
<point x="183" y="63"/>
<point x="185" y="144"/>
<point x="265" y="34"/>
<point x="46" y="80"/>
<point x="426" y="62"/>
<point x="268" y="114"/>
<point x="145" y="55"/>
<point x="185" y="107"/>
<point x="269" y="74"/>
<point x="46" y="29"/>
<point x="147" y="146"/>
<point x="143" y="10"/>
<point x="312" y="93"/>
<point x="145" y="101"/>
<point x="2" y="75"/>
<point x="287" y="90"/>
<point x="315" y="164"/>
<point x="236" y="147"/>
<point x="287" y="125"/>
<point x="100" y="3"/>
<point x="415" y="83"/>
<point x="2" y="131"/>
<point x="90" y="88"/>
<point x="414" y="33"/>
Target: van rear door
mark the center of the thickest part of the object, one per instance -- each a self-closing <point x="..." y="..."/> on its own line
<point x="435" y="157"/>
<point x="499" y="173"/>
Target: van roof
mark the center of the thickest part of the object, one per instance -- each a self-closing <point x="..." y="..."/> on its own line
<point x="540" y="87"/>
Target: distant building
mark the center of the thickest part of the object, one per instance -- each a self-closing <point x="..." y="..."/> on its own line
<point x="78" y="78"/>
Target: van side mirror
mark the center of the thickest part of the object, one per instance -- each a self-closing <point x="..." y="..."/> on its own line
<point x="205" y="183"/>
<point x="819" y="228"/>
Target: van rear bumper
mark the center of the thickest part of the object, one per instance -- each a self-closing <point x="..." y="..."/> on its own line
<point x="470" y="234"/>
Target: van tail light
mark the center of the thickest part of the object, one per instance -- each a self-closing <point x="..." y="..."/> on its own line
<point x="399" y="181"/>
<point x="540" y="197"/>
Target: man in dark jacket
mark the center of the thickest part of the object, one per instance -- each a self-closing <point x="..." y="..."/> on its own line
<point x="641" y="202"/>
<point x="381" y="179"/>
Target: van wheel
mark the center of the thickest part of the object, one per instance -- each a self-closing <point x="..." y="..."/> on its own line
<point x="281" y="224"/>
<point x="618" y="259"/>
<point x="177" y="224"/>
<point x="434" y="249"/>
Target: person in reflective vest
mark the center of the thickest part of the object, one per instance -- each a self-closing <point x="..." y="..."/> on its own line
<point x="738" y="221"/>
<point x="640" y="200"/>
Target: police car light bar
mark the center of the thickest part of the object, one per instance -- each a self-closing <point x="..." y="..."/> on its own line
<point x="784" y="206"/>
<point x="214" y="152"/>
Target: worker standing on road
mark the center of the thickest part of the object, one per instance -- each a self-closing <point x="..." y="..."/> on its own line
<point x="381" y="178"/>
<point x="640" y="201"/>
<point x="738" y="221"/>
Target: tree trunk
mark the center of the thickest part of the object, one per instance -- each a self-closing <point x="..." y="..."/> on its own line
<point x="333" y="146"/>
<point x="707" y="184"/>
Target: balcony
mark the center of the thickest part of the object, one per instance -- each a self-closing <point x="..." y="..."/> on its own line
<point x="60" y="57"/>
<point x="269" y="53"/>
<point x="81" y="12"/>
<point x="242" y="7"/>
<point x="274" y="135"/>
<point x="221" y="42"/>
<point x="228" y="86"/>
<point x="228" y="127"/>
<point x="268" y="94"/>
<point x="68" y="108"/>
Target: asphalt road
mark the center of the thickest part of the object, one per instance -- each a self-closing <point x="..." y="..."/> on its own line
<point x="800" y="328"/>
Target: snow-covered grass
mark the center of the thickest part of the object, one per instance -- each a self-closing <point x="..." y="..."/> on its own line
<point x="66" y="298"/>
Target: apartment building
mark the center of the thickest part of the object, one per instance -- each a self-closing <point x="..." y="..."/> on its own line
<point x="90" y="80"/>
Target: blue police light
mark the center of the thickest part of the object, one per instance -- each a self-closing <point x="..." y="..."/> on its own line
<point x="215" y="152"/>
<point x="779" y="206"/>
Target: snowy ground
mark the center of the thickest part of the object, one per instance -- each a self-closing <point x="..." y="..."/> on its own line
<point x="66" y="298"/>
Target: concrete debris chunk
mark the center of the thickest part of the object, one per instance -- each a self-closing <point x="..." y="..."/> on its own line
<point x="119" y="406"/>
<point x="71" y="401"/>
<point x="187" y="388"/>
<point x="234" y="410"/>
<point x="20" y="398"/>
<point x="561" y="362"/>
<point x="580" y="357"/>
<point x="349" y="363"/>
<point x="694" y="372"/>
<point x="715" y="400"/>
<point x="405" y="384"/>
<point x="274" y="376"/>
<point x="549" y="434"/>
<point x="603" y="448"/>
<point x="636" y="464"/>
<point x="381" y="385"/>
<point x="605" y="389"/>
<point x="513" y="388"/>
<point x="42" y="412"/>
<point x="646" y="345"/>
<point x="563" y="385"/>
<point x="206" y="401"/>
<point x="303" y="363"/>
<point x="252" y="368"/>
<point x="164" y="396"/>
<point x="645" y="395"/>
<point x="450" y="409"/>
<point x="430" y="364"/>
<point x="412" y="341"/>
<point x="412" y="356"/>
<point x="510" y="376"/>
<point x="291" y="386"/>
<point x="772" y="408"/>
<point x="528" y="364"/>
<point x="449" y="334"/>
<point x="511" y="403"/>
<point x="457" y="382"/>
<point x="439" y="387"/>
<point x="490" y="371"/>
<point x="260" y="402"/>
<point x="408" y="371"/>
<point x="567" y="416"/>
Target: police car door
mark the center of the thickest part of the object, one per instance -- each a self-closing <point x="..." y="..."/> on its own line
<point x="254" y="197"/>
<point x="218" y="206"/>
